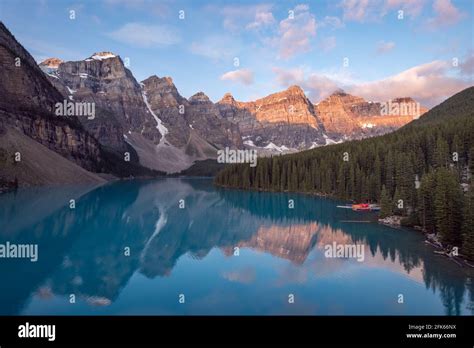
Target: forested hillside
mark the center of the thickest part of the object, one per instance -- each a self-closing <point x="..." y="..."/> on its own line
<point x="422" y="171"/>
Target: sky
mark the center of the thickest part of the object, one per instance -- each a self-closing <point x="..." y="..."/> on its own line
<point x="376" y="49"/>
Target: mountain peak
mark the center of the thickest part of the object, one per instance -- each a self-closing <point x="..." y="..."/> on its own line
<point x="199" y="97"/>
<point x="102" y="55"/>
<point x="295" y="89"/>
<point x="52" y="63"/>
<point x="403" y="100"/>
<point x="167" y="81"/>
<point x="228" y="98"/>
<point x="339" y="93"/>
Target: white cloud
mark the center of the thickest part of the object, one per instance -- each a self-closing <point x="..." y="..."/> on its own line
<point x="295" y="33"/>
<point x="446" y="14"/>
<point x="288" y="77"/>
<point x="244" y="76"/>
<point x="331" y="22"/>
<point x="245" y="276"/>
<point x="239" y="17"/>
<point x="467" y="66"/>
<point x="216" y="47"/>
<point x="318" y="86"/>
<point x="373" y="10"/>
<point x="385" y="47"/>
<point x="411" y="8"/>
<point x="262" y="19"/>
<point x="145" y="35"/>
<point x="328" y="43"/>
<point x="355" y="10"/>
<point x="428" y="83"/>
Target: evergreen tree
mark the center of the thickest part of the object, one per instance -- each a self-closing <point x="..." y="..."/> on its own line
<point x="448" y="207"/>
<point x="471" y="162"/>
<point x="385" y="204"/>
<point x="284" y="175"/>
<point x="441" y="152"/>
<point x="245" y="178"/>
<point x="426" y="200"/>
<point x="275" y="175"/>
<point x="468" y="226"/>
<point x="423" y="147"/>
<point x="341" y="182"/>
<point x="377" y="177"/>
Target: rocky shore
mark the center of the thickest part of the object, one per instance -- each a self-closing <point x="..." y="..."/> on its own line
<point x="433" y="240"/>
<point x="392" y="221"/>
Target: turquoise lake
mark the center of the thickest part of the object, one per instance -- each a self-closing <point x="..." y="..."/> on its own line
<point x="183" y="247"/>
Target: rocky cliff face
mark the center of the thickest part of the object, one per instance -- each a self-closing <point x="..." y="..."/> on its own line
<point x="195" y="126"/>
<point x="165" y="130"/>
<point x="27" y="101"/>
<point x="237" y="113"/>
<point x="29" y="105"/>
<point x="288" y="121"/>
<point x="204" y="116"/>
<point x="104" y="80"/>
<point x="278" y="122"/>
<point x="166" y="102"/>
<point x="336" y="114"/>
<point x="288" y="107"/>
<point x="348" y="116"/>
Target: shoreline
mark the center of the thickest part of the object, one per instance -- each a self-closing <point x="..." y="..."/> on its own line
<point x="393" y="221"/>
<point x="431" y="239"/>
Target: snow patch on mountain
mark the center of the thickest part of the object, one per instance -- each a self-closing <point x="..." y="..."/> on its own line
<point x="101" y="56"/>
<point x="249" y="143"/>
<point x="330" y="141"/>
<point x="272" y="146"/>
<point x="161" y="128"/>
<point x="71" y="91"/>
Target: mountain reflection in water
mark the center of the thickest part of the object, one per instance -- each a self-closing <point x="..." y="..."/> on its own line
<point x="229" y="252"/>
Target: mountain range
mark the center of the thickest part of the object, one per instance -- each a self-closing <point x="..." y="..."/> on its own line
<point x="159" y="129"/>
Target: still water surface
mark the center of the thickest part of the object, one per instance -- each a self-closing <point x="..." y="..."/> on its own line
<point x="128" y="248"/>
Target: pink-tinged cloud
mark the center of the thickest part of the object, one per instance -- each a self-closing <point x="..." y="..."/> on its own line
<point x="429" y="83"/>
<point x="244" y="76"/>
<point x="411" y="8"/>
<point x="385" y="47"/>
<point x="240" y="17"/>
<point x="295" y="33"/>
<point x="331" y="22"/>
<point x="328" y="43"/>
<point x="373" y="10"/>
<point x="356" y="10"/>
<point x="467" y="66"/>
<point x="317" y="86"/>
<point x="262" y="19"/>
<point x="446" y="14"/>
<point x="246" y="275"/>
<point x="216" y="47"/>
